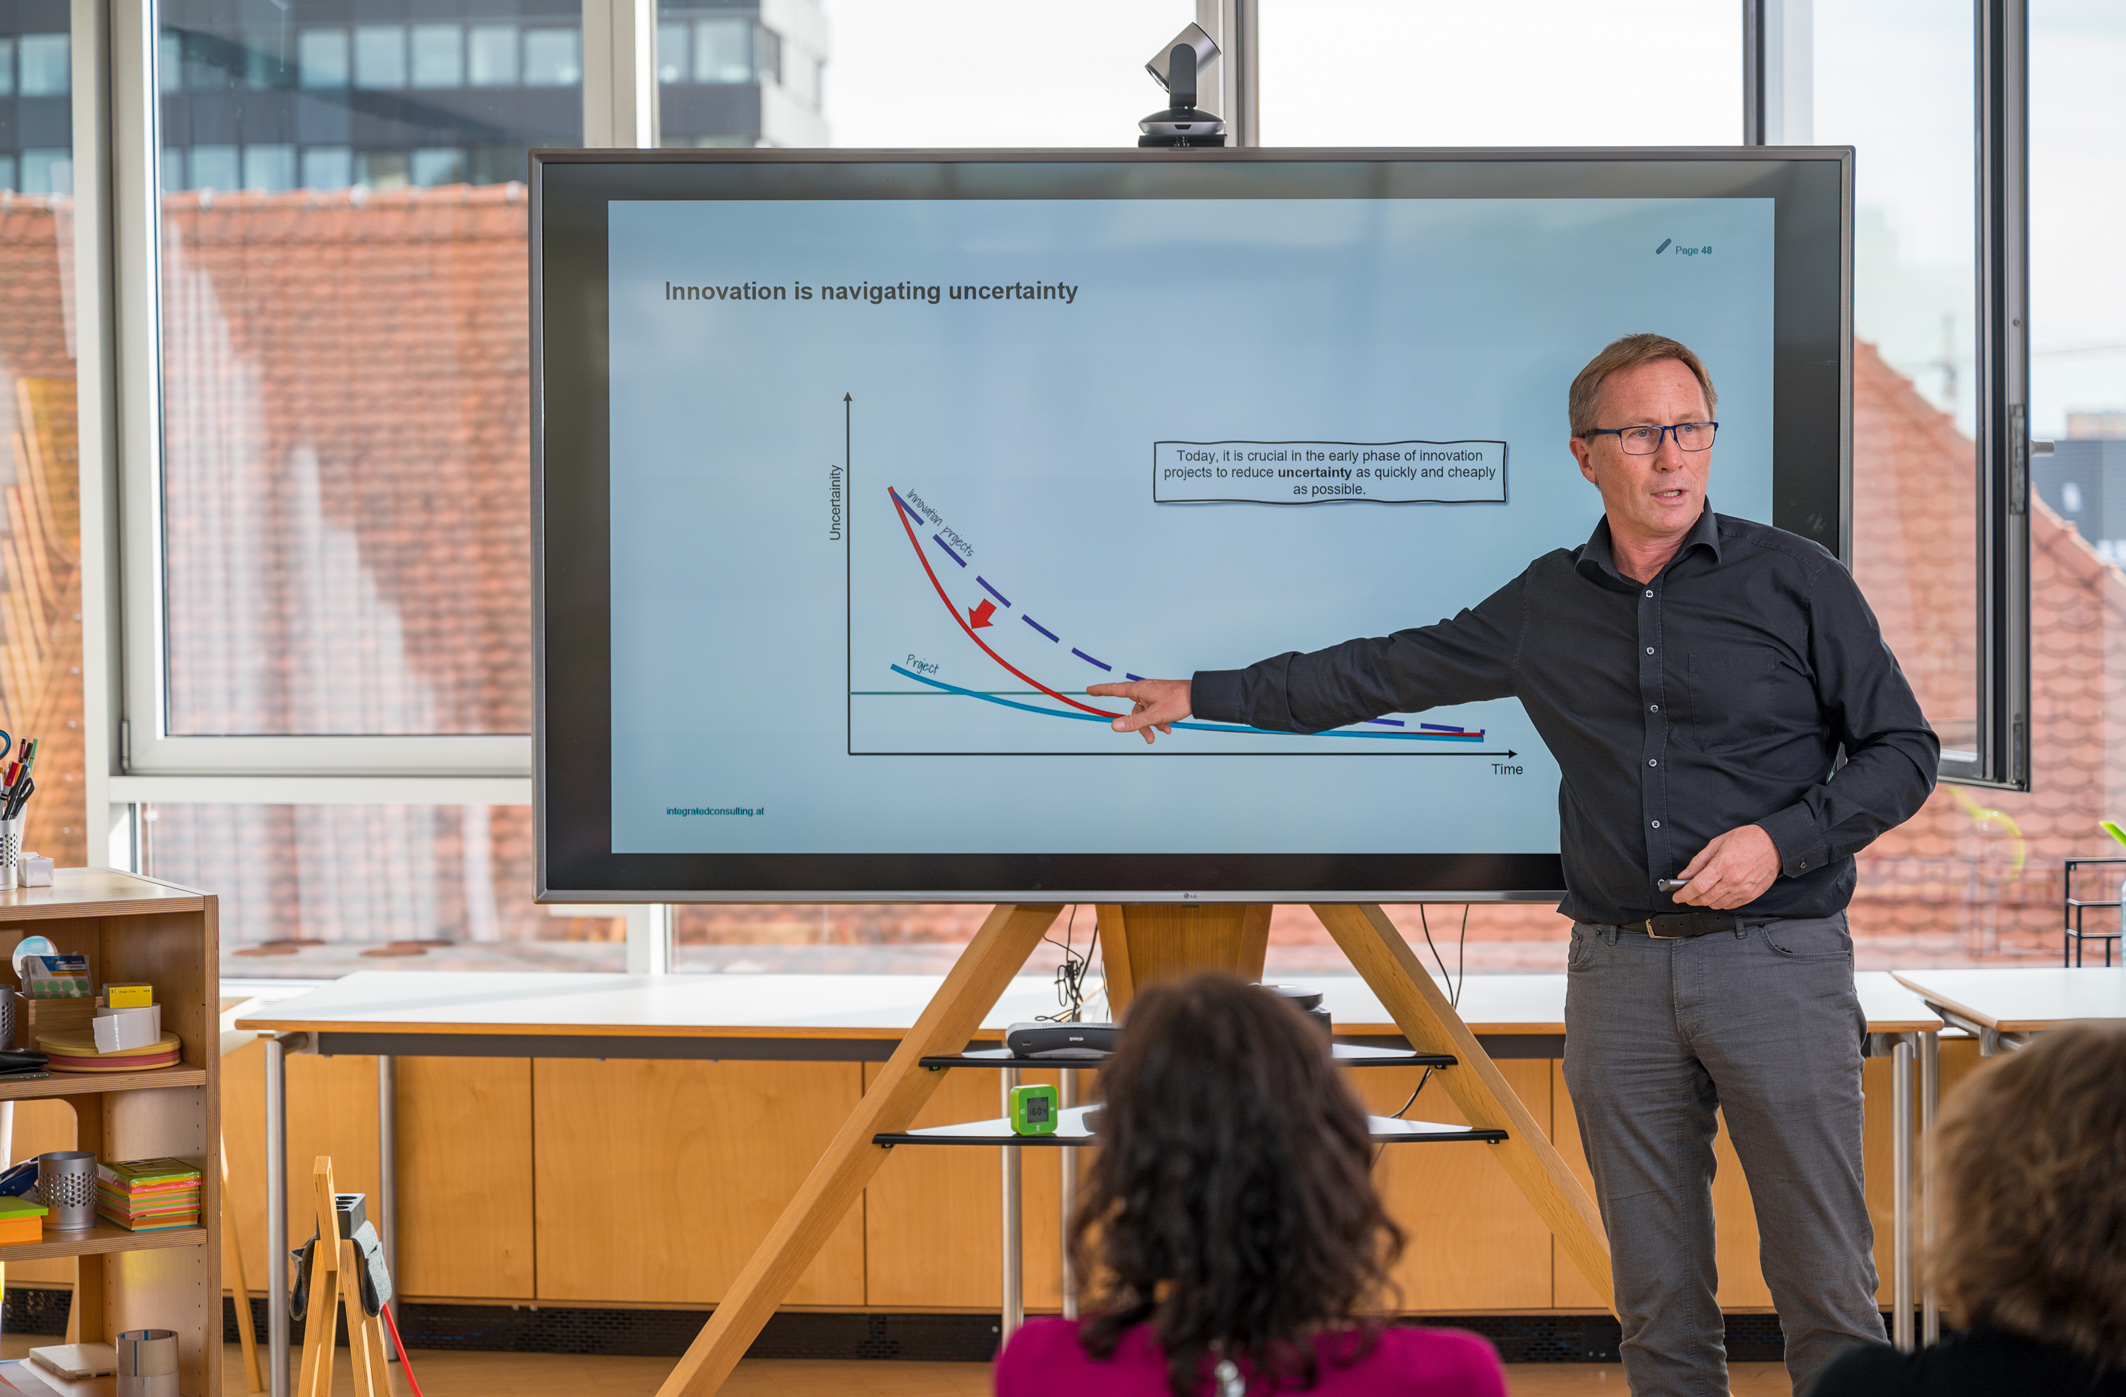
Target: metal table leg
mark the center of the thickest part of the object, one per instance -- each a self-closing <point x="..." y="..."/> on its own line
<point x="1066" y="1097"/>
<point x="1014" y="1307"/>
<point x="1929" y="1214"/>
<point x="387" y="1169"/>
<point x="277" y="1215"/>
<point x="1901" y="1209"/>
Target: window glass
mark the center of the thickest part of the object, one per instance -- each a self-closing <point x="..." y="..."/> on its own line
<point x="40" y="467"/>
<point x="345" y="450"/>
<point x="438" y="55"/>
<point x="553" y="57"/>
<point x="323" y="58"/>
<point x="380" y="56"/>
<point x="1543" y="72"/>
<point x="1984" y="873"/>
<point x="47" y="65"/>
<point x="672" y="62"/>
<point x="491" y="55"/>
<point x="312" y="891"/>
<point x="269" y="168"/>
<point x="723" y="50"/>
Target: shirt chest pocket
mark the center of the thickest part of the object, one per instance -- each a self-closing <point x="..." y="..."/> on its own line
<point x="1735" y="696"/>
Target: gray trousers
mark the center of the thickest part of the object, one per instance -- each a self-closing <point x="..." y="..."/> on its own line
<point x="1764" y="1026"/>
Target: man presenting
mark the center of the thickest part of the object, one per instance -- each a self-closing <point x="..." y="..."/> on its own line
<point x="1696" y="676"/>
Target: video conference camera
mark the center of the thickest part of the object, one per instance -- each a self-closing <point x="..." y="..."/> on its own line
<point x="1176" y="68"/>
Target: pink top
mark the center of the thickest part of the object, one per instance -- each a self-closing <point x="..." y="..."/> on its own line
<point x="1045" y="1357"/>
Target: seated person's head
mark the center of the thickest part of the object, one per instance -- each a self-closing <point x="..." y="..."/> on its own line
<point x="2032" y="1163"/>
<point x="1231" y="1204"/>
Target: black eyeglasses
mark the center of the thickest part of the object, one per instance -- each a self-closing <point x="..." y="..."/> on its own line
<point x="1645" y="441"/>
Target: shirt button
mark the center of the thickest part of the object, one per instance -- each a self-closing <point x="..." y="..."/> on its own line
<point x="1657" y="824"/>
<point x="1651" y="762"/>
<point x="1653" y="708"/>
<point x="1649" y="649"/>
<point x="1649" y="591"/>
<point x="1804" y="863"/>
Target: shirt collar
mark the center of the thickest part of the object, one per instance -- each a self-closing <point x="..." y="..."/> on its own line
<point x="1598" y="553"/>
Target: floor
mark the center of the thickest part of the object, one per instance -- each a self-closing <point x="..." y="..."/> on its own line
<point x="451" y="1374"/>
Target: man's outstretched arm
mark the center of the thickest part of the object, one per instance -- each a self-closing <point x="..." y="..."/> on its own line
<point x="1466" y="658"/>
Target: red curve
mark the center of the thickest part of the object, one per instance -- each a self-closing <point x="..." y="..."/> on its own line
<point x="901" y="514"/>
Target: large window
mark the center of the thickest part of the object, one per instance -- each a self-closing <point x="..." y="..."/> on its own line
<point x="325" y="641"/>
<point x="343" y="528"/>
<point x="40" y="430"/>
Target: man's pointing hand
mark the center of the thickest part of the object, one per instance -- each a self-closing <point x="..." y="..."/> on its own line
<point x="1159" y="703"/>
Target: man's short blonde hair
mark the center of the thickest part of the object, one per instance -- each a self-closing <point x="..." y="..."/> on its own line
<point x="1629" y="353"/>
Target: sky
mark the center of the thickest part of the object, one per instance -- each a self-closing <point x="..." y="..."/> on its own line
<point x="1892" y="78"/>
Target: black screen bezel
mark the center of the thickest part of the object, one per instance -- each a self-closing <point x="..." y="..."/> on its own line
<point x="1812" y="438"/>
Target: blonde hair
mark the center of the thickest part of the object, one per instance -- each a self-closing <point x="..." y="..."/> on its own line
<point x="2032" y="1152"/>
<point x="1629" y="353"/>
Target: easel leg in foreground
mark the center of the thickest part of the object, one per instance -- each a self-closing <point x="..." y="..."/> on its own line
<point x="999" y="950"/>
<point x="1007" y="938"/>
<point x="1391" y="970"/>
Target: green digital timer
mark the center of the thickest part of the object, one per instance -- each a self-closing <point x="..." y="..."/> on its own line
<point x="1033" y="1110"/>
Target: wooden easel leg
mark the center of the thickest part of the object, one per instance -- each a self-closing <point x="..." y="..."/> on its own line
<point x="314" y="1377"/>
<point x="999" y="950"/>
<point x="232" y="1245"/>
<point x="350" y="1296"/>
<point x="1391" y="969"/>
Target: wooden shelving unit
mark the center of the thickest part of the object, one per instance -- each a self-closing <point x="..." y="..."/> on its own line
<point x="138" y="929"/>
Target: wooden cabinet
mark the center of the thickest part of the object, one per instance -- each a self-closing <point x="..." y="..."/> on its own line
<point x="133" y="929"/>
<point x="631" y="1182"/>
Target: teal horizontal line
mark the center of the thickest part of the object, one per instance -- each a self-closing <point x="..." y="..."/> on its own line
<point x="1193" y="727"/>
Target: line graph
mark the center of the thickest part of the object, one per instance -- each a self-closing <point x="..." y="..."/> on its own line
<point x="971" y="716"/>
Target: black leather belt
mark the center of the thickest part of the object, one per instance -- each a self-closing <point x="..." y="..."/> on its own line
<point x="1674" y="926"/>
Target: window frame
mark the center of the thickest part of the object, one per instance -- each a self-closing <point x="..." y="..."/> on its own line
<point x="133" y="758"/>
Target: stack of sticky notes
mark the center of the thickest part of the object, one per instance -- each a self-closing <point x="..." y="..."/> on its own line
<point x="148" y="1195"/>
<point x="21" y="1220"/>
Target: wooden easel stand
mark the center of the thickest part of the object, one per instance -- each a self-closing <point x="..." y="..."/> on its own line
<point x="984" y="970"/>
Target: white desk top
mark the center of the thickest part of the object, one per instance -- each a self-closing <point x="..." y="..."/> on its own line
<point x="847" y="1006"/>
<point x="2024" y="1000"/>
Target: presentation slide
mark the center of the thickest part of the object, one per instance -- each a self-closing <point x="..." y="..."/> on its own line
<point x="893" y="482"/>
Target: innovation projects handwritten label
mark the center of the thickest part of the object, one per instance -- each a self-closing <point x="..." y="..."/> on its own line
<point x="1320" y="472"/>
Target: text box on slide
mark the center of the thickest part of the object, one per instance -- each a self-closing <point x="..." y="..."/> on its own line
<point x="1318" y="472"/>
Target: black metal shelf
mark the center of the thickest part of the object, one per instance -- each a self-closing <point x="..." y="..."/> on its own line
<point x="1347" y="1055"/>
<point x="1071" y="1130"/>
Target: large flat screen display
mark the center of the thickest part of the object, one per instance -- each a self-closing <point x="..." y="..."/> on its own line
<point x="854" y="471"/>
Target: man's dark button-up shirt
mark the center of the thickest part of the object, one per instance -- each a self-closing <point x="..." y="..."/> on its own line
<point x="1715" y="696"/>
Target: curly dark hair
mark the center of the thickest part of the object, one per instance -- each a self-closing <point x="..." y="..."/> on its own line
<point x="2032" y="1163"/>
<point x="1231" y="1205"/>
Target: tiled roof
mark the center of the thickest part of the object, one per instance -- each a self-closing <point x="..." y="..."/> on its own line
<point x="348" y="443"/>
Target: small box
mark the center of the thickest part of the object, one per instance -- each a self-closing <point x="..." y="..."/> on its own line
<point x="123" y="1030"/>
<point x="39" y="1016"/>
<point x="37" y="871"/>
<point x="1034" y="1110"/>
<point x="56" y="977"/>
<point x="129" y="996"/>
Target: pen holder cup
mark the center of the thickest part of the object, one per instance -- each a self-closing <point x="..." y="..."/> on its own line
<point x="66" y="1180"/>
<point x="10" y="853"/>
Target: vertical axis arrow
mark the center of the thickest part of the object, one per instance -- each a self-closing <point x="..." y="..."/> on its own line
<point x="848" y="589"/>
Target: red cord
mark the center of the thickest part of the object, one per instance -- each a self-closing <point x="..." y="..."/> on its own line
<point x="404" y="1364"/>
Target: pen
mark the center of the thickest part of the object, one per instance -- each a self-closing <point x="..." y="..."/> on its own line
<point x="1669" y="885"/>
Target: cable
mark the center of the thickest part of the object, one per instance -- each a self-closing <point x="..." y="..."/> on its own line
<point x="1454" y="993"/>
<point x="1070" y="975"/>
<point x="405" y="1364"/>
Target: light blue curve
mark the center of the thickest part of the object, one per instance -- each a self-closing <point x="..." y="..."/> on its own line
<point x="1193" y="727"/>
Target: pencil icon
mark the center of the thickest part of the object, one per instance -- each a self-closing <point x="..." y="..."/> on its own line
<point x="1663" y="247"/>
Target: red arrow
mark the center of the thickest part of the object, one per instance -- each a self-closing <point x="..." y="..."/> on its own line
<point x="979" y="616"/>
